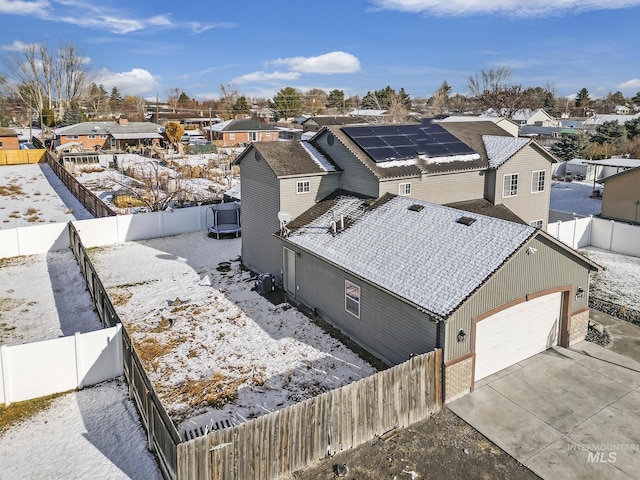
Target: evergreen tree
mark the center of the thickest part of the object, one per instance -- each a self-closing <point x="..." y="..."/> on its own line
<point x="633" y="128"/>
<point x="287" y="103"/>
<point x="335" y="99"/>
<point x="241" y="107"/>
<point x="636" y="98"/>
<point x="608" y="132"/>
<point x="73" y="115"/>
<point x="115" y="100"/>
<point x="570" y="146"/>
<point x="582" y="98"/>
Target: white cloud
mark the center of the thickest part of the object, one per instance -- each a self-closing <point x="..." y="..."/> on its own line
<point x="329" y="63"/>
<point x="266" y="77"/>
<point x="21" y="7"/>
<point x="16" y="46"/>
<point x="516" y="8"/>
<point x="137" y="81"/>
<point x="630" y="84"/>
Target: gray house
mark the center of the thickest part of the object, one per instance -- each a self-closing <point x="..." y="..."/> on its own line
<point x="402" y="276"/>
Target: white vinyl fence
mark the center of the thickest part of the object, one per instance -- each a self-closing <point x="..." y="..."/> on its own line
<point x="597" y="232"/>
<point x="43" y="368"/>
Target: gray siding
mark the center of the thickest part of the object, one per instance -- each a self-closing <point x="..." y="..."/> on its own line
<point x="297" y="203"/>
<point x="388" y="328"/>
<point x="620" y="196"/>
<point x="441" y="189"/>
<point x="356" y="177"/>
<point x="549" y="267"/>
<point x="261" y="252"/>
<point x="527" y="205"/>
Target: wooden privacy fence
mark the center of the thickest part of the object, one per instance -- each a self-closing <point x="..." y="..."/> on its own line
<point x="21" y="157"/>
<point x="162" y="436"/>
<point x="287" y="440"/>
<point x="89" y="200"/>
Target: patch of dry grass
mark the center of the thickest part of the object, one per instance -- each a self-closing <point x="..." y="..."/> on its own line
<point x="11" y="190"/>
<point x="215" y="391"/>
<point x="119" y="296"/>
<point x="21" y="411"/>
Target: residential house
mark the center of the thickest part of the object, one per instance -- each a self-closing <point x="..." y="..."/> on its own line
<point x="9" y="139"/>
<point x="232" y="133"/>
<point x="314" y="124"/>
<point x="116" y="135"/>
<point x="596" y="120"/>
<point x="537" y="117"/>
<point x="402" y="276"/>
<point x="466" y="164"/>
<point x="621" y="196"/>
<point x="504" y="123"/>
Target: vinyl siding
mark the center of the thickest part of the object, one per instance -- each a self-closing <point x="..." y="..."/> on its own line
<point x="441" y="189"/>
<point x="620" y="195"/>
<point x="549" y="267"/>
<point x="297" y="203"/>
<point x="528" y="206"/>
<point x="261" y="251"/>
<point x="388" y="328"/>
<point x="356" y="177"/>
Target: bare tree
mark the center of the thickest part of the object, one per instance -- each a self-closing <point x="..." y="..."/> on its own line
<point x="173" y="96"/>
<point x="45" y="79"/>
<point x="493" y="92"/>
<point x="397" y="111"/>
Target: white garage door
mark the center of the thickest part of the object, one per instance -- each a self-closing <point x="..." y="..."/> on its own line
<point x="517" y="333"/>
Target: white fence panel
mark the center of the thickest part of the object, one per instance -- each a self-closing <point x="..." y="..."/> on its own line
<point x="20" y="241"/>
<point x="98" y="231"/>
<point x="38" y="369"/>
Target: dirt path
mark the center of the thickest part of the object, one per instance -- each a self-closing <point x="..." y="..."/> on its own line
<point x="441" y="447"/>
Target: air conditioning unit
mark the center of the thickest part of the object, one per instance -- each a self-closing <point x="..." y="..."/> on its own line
<point x="265" y="283"/>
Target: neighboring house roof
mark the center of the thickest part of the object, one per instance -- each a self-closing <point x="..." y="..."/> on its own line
<point x="619" y="174"/>
<point x="600" y="119"/>
<point x="243" y="125"/>
<point x="333" y="120"/>
<point x="614" y="162"/>
<point x="96" y="128"/>
<point x="485" y="207"/>
<point x="290" y="158"/>
<point x="426" y="257"/>
<point x="8" y="132"/>
<point x="367" y="112"/>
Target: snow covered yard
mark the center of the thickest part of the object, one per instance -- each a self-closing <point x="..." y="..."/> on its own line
<point x="575" y="197"/>
<point x="212" y="346"/>
<point x="91" y="434"/>
<point x="43" y="297"/>
<point x="619" y="281"/>
<point x="33" y="194"/>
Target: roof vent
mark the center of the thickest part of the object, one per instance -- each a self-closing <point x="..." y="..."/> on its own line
<point x="466" y="220"/>
<point x="416" y="207"/>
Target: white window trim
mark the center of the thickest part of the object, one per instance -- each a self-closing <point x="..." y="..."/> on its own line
<point x="348" y="285"/>
<point x="404" y="189"/>
<point x="535" y="223"/>
<point x="232" y="136"/>
<point x="537" y="184"/>
<point x="510" y="175"/>
<point x="303" y="186"/>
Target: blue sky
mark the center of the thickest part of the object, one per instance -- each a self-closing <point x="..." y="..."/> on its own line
<point x="259" y="47"/>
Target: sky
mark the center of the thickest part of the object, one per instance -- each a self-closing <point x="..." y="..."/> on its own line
<point x="258" y="47"/>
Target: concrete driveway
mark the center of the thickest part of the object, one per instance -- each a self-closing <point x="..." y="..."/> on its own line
<point x="564" y="413"/>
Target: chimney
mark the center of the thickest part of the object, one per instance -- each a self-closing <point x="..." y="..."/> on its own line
<point x="123" y="121"/>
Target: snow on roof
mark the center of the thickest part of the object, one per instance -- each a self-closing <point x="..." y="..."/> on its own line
<point x="425" y="257"/>
<point x="615" y="162"/>
<point x="501" y="149"/>
<point x="600" y="119"/>
<point x="397" y="163"/>
<point x="450" y="158"/>
<point x="318" y="157"/>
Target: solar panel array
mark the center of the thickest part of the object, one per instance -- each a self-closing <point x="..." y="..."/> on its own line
<point x="400" y="142"/>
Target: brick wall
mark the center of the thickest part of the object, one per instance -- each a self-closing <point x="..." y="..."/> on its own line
<point x="457" y="379"/>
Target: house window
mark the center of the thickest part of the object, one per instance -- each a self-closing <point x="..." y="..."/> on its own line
<point x="71" y="137"/>
<point x="303" y="186"/>
<point x="510" y="185"/>
<point x="268" y="134"/>
<point x="232" y="136"/>
<point x="352" y="298"/>
<point x="0" y="143"/>
<point x="536" y="223"/>
<point x="537" y="181"/>
<point x="91" y="137"/>
<point x="404" y="189"/>
<point x="102" y="135"/>
<point x="253" y="136"/>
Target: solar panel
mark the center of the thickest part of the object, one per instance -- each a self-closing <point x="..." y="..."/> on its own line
<point x="398" y="142"/>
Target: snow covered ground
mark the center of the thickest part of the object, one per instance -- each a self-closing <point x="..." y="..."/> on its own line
<point x="93" y="434"/>
<point x="212" y="346"/>
<point x="43" y="297"/>
<point x="575" y="197"/>
<point x="619" y="282"/>
<point x="33" y="194"/>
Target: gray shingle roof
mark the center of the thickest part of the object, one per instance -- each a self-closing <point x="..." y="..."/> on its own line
<point x="289" y="158"/>
<point x="425" y="257"/>
<point x="88" y="128"/>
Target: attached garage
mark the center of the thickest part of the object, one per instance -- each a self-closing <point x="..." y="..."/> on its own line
<point x="516" y="333"/>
